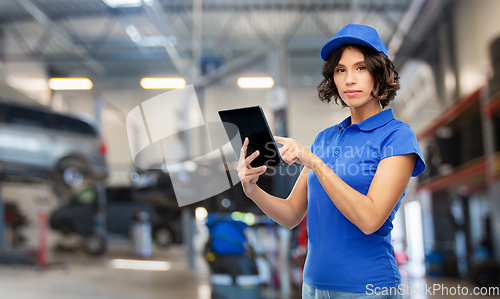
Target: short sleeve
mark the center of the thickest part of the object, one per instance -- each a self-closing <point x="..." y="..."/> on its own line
<point x="311" y="149"/>
<point x="403" y="141"/>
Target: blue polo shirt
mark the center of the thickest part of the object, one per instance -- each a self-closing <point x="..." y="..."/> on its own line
<point x="340" y="256"/>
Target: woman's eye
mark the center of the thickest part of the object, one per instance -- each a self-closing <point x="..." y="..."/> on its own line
<point x="340" y="70"/>
<point x="361" y="68"/>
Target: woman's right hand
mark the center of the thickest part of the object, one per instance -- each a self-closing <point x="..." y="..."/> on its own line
<point x="248" y="175"/>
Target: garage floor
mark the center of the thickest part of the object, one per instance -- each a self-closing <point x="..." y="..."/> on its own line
<point x="87" y="277"/>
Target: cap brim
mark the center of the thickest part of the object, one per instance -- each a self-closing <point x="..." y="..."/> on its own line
<point x="336" y="43"/>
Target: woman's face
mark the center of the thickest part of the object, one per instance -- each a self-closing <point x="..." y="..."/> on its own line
<point x="352" y="78"/>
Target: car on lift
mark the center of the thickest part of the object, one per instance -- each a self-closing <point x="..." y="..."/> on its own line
<point x="122" y="205"/>
<point x="36" y="143"/>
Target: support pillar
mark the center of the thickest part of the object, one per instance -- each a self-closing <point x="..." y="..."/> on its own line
<point x="282" y="181"/>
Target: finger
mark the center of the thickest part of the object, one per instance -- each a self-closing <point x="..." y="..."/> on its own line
<point x="285" y="157"/>
<point x="279" y="139"/>
<point x="243" y="151"/>
<point x="295" y="157"/>
<point x="250" y="158"/>
<point x="245" y="176"/>
<point x="288" y="150"/>
<point x="249" y="179"/>
<point x="286" y="160"/>
<point x="290" y="156"/>
<point x="256" y="170"/>
<point x="283" y="150"/>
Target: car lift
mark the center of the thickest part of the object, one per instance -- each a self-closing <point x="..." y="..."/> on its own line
<point x="37" y="259"/>
<point x="7" y="256"/>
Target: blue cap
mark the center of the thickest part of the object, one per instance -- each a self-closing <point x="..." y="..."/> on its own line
<point x="354" y="34"/>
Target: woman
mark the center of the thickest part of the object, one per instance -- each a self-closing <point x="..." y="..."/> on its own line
<point x="355" y="174"/>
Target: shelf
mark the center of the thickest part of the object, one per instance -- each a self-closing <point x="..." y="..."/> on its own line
<point x="451" y="114"/>
<point x="493" y="105"/>
<point x="463" y="173"/>
<point x="470" y="177"/>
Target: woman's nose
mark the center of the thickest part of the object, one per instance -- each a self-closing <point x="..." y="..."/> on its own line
<point x="350" y="78"/>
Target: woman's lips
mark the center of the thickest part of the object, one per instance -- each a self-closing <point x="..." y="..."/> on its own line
<point x="352" y="93"/>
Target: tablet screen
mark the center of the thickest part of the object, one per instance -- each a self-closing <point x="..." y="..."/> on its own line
<point x="251" y="123"/>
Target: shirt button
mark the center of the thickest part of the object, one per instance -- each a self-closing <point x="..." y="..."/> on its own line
<point x="336" y="152"/>
<point x="343" y="139"/>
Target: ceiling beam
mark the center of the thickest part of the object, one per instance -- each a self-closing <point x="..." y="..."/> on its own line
<point x="182" y="64"/>
<point x="230" y="67"/>
<point x="272" y="6"/>
<point x="429" y="14"/>
<point x="321" y="24"/>
<point x="404" y="27"/>
<point x="259" y="32"/>
<point x="228" y="28"/>
<point x="294" y="27"/>
<point x="107" y="50"/>
<point x="62" y="35"/>
<point x="345" y="7"/>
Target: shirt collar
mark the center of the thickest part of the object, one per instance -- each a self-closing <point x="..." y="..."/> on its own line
<point x="372" y="122"/>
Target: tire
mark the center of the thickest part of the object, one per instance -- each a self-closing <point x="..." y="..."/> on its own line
<point x="163" y="236"/>
<point x="70" y="176"/>
<point x="94" y="245"/>
<point x="65" y="228"/>
<point x="486" y="274"/>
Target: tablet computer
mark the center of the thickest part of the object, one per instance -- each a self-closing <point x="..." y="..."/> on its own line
<point x="251" y="122"/>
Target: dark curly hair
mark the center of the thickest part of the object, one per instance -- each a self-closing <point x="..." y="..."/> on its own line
<point x="378" y="65"/>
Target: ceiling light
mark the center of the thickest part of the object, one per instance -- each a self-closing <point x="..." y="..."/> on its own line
<point x="70" y="84"/>
<point x="255" y="82"/>
<point x="140" y="265"/>
<point x="133" y="33"/>
<point x="152" y="41"/>
<point x="201" y="213"/>
<point x="162" y="83"/>
<point x="123" y="3"/>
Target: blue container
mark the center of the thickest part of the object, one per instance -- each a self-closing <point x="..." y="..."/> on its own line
<point x="226" y="235"/>
<point x="435" y="264"/>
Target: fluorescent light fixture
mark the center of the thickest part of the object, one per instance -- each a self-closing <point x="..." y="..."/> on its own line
<point x="133" y="33"/>
<point x="123" y="3"/>
<point x="70" y="84"/>
<point x="205" y="292"/>
<point x="140" y="265"/>
<point x="201" y="213"/>
<point x="255" y="82"/>
<point x="415" y="238"/>
<point x="152" y="41"/>
<point x="162" y="83"/>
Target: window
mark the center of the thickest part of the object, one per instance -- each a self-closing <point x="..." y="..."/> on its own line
<point x="27" y="117"/>
<point x="73" y="125"/>
<point x="119" y="195"/>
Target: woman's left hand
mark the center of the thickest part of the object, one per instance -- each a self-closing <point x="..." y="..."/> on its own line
<point x="293" y="152"/>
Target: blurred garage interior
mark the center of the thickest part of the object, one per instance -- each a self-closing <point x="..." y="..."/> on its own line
<point x="80" y="220"/>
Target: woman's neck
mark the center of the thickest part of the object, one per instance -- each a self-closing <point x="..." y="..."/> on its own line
<point x="359" y="114"/>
